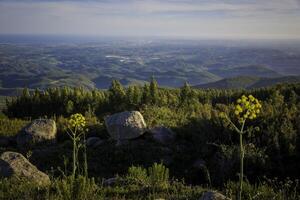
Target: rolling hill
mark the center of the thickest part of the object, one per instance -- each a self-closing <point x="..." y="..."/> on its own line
<point x="248" y="82"/>
<point x="172" y="63"/>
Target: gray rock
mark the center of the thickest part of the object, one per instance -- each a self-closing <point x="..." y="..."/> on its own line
<point x="163" y="135"/>
<point x="14" y="164"/>
<point x="212" y="195"/>
<point x="91" y="141"/>
<point x="125" y="125"/>
<point x="38" y="131"/>
<point x="167" y="160"/>
<point x="201" y="172"/>
<point x="4" y="141"/>
<point x="110" y="182"/>
<point x="199" y="164"/>
<point x="99" y="143"/>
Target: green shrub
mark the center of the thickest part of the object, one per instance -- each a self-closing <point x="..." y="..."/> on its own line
<point x="10" y="127"/>
<point x="79" y="188"/>
<point x="158" y="176"/>
<point x="155" y="178"/>
<point x="138" y="175"/>
<point x="18" y="189"/>
<point x="269" y="189"/>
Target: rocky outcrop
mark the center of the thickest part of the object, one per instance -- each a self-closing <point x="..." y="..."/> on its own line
<point x="212" y="195"/>
<point x="125" y="125"/>
<point x="14" y="164"/>
<point x="38" y="131"/>
<point x="162" y="135"/>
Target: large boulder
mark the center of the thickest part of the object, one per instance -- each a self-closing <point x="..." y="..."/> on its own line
<point x="38" y="131"/>
<point x="163" y="135"/>
<point x="14" y="164"/>
<point x="125" y="125"/>
<point x="212" y="195"/>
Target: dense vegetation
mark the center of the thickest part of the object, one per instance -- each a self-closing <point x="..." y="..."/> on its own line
<point x="272" y="144"/>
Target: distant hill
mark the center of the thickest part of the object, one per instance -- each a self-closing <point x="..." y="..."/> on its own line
<point x="94" y="65"/>
<point x="247" y="70"/>
<point x="248" y="82"/>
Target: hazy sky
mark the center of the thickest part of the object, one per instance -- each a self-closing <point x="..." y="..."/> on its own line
<point x="174" y="18"/>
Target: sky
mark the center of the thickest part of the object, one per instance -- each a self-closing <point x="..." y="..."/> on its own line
<point x="263" y="19"/>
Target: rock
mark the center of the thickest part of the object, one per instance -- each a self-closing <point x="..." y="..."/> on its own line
<point x="199" y="164"/>
<point x="200" y="173"/>
<point x="162" y="135"/>
<point x="4" y="141"/>
<point x="125" y="125"/>
<point x="167" y="160"/>
<point x="110" y="182"/>
<point x="91" y="141"/>
<point x="212" y="195"/>
<point x="38" y="131"/>
<point x="94" y="142"/>
<point x="97" y="144"/>
<point x="14" y="164"/>
<point x="7" y="141"/>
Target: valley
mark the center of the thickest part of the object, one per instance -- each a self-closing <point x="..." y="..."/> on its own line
<point x="171" y="62"/>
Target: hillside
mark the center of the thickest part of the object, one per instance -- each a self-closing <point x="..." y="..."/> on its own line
<point x="248" y="82"/>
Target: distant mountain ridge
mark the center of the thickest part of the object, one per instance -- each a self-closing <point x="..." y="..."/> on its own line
<point x="95" y="65"/>
<point x="248" y="82"/>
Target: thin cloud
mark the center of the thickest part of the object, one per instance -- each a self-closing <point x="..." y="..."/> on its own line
<point x="190" y="18"/>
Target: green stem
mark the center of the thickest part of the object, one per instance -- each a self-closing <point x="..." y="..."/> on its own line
<point x="241" y="161"/>
<point x="85" y="157"/>
<point x="74" y="157"/>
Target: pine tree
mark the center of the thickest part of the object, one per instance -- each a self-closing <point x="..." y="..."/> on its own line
<point x="117" y="95"/>
<point x="187" y="95"/>
<point x="154" y="93"/>
<point x="146" y="99"/>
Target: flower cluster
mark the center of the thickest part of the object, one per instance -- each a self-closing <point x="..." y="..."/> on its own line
<point x="247" y="108"/>
<point x="77" y="121"/>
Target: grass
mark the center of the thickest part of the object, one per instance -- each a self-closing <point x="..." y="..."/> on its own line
<point x="265" y="190"/>
<point x="87" y="189"/>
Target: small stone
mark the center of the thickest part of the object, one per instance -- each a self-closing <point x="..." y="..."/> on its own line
<point x="110" y="181"/>
<point x="97" y="144"/>
<point x="91" y="141"/>
<point x="212" y="195"/>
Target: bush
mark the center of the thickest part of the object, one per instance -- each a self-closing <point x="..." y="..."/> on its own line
<point x="138" y="175"/>
<point x="268" y="189"/>
<point x="158" y="176"/>
<point x="18" y="189"/>
<point x="78" y="188"/>
<point x="10" y="127"/>
<point x="155" y="178"/>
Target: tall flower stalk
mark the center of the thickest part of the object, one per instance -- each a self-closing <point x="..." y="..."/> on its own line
<point x="76" y="131"/>
<point x="246" y="108"/>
